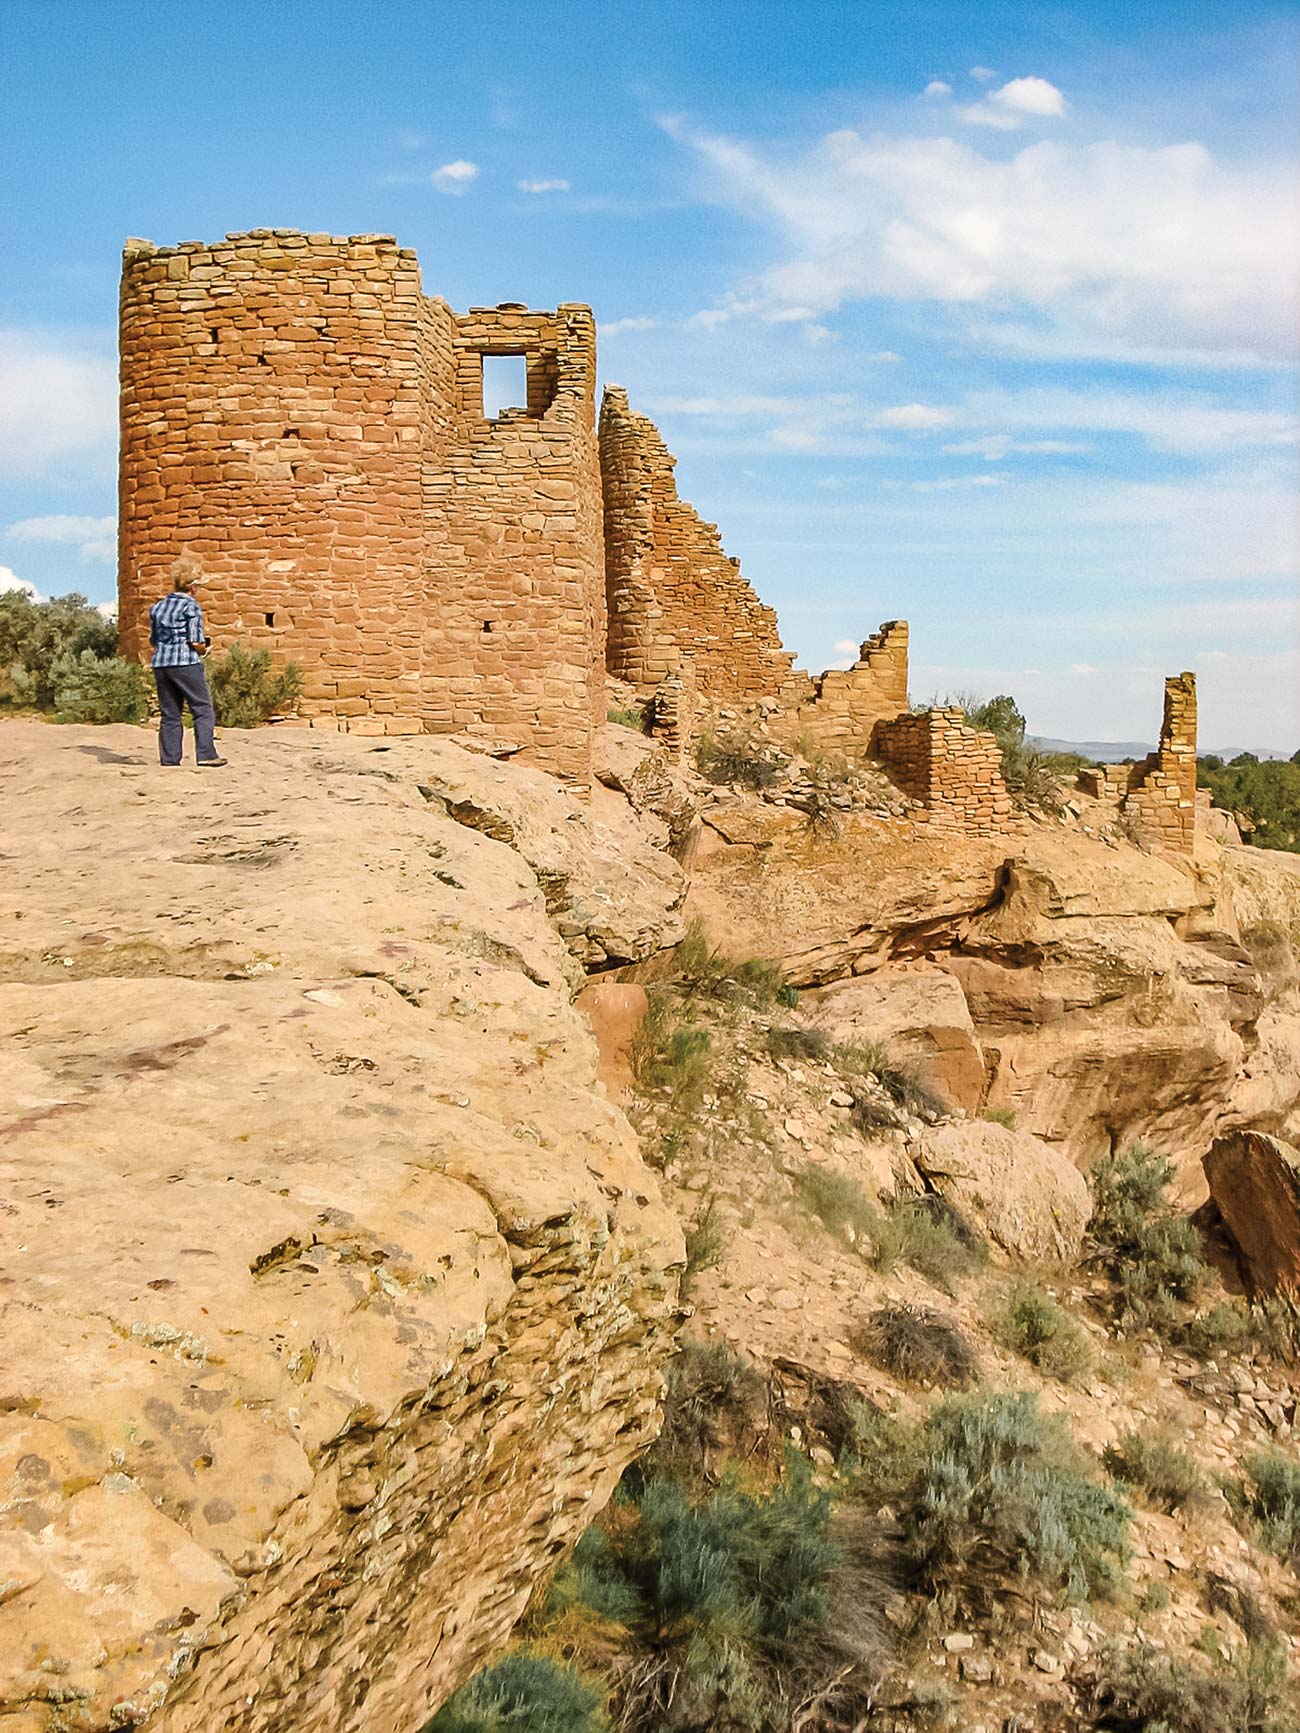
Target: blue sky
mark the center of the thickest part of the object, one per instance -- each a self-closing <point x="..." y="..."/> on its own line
<point x="982" y="316"/>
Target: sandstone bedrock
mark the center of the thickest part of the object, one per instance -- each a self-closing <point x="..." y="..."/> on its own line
<point x="333" y="1290"/>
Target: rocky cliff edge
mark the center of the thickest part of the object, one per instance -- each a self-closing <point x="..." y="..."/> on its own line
<point x="333" y="1291"/>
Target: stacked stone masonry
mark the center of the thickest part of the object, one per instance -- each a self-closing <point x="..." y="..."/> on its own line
<point x="1157" y="798"/>
<point x="954" y="770"/>
<point x="671" y="589"/>
<point x="844" y="705"/>
<point x="307" y="426"/>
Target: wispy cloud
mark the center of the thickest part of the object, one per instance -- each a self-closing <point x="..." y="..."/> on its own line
<point x="636" y="322"/>
<point x="1046" y="232"/>
<point x="937" y="89"/>
<point x="56" y="401"/>
<point x="95" y="537"/>
<point x="543" y="186"/>
<point x="914" y="417"/>
<point x="455" y="177"/>
<point x="1011" y="105"/>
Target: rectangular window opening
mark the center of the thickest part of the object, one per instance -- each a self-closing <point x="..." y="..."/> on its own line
<point x="505" y="384"/>
<point x="269" y="618"/>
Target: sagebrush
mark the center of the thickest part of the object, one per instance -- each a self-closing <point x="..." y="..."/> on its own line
<point x="246" y="689"/>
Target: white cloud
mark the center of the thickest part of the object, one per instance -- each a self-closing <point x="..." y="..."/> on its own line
<point x="914" y="417"/>
<point x="984" y="74"/>
<point x="1082" y="668"/>
<point x="794" y="438"/>
<point x="847" y="647"/>
<point x="954" y="483"/>
<point x="454" y="177"/>
<point x="1178" y="423"/>
<point x="615" y="327"/>
<point x="995" y="446"/>
<point x="543" y="186"/>
<point x="1048" y="232"/>
<point x="95" y="536"/>
<point x="1030" y="96"/>
<point x="937" y="88"/>
<point x="55" y="402"/>
<point x="10" y="581"/>
<point x="883" y="355"/>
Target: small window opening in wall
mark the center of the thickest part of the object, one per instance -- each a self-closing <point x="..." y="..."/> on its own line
<point x="216" y="334"/>
<point x="505" y="384"/>
<point x="269" y="618"/>
<point x="262" y="361"/>
<point x="291" y="433"/>
<point x="487" y="625"/>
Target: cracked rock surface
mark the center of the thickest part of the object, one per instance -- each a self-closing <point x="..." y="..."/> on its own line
<point x="333" y="1291"/>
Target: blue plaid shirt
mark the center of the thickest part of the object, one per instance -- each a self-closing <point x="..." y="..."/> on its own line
<point x="175" y="623"/>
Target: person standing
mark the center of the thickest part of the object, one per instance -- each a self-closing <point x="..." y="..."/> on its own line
<point x="180" y="643"/>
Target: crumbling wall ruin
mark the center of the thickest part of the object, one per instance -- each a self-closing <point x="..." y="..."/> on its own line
<point x="1157" y="797"/>
<point x="671" y="589"/>
<point x="844" y="705"/>
<point x="954" y="770"/>
<point x="304" y="423"/>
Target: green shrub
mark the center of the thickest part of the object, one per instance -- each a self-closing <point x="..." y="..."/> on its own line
<point x="524" y="1692"/>
<point x="885" y="1455"/>
<point x="919" y="1346"/>
<point x="35" y="636"/>
<point x="837" y="1200"/>
<point x="245" y="690"/>
<point x="735" y="761"/>
<point x="1270" y="1328"/>
<point x="706" y="1241"/>
<point x="1039" y="1329"/>
<point x="91" y="688"/>
<point x="701" y="970"/>
<point x="902" y="1082"/>
<point x="669" y="1054"/>
<point x="1272" y="1498"/>
<point x="1001" y="1116"/>
<point x="1154" y="1466"/>
<point x="1152" y="1253"/>
<point x="1144" y="1691"/>
<point x="720" y="1592"/>
<point x="928" y="1234"/>
<point x="1266" y="795"/>
<point x="627" y="718"/>
<point x="1004" y="1493"/>
<point x="786" y="1042"/>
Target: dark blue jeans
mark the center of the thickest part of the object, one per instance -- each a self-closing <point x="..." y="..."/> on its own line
<point x="178" y="687"/>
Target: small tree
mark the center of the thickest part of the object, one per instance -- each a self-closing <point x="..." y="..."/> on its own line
<point x="91" y="688"/>
<point x="34" y="636"/>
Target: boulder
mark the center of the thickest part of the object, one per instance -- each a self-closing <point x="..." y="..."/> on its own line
<point x="1254" y="1180"/>
<point x="333" y="1291"/>
<point x="920" y="1013"/>
<point x="1030" y="1198"/>
<point x="615" y="1010"/>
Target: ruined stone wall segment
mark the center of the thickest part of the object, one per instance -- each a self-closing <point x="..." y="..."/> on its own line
<point x="671" y="588"/>
<point x="952" y="769"/>
<point x="272" y="422"/>
<point x="842" y="707"/>
<point x="1161" y="799"/>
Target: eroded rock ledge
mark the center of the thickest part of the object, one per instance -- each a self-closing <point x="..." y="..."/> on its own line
<point x="333" y="1292"/>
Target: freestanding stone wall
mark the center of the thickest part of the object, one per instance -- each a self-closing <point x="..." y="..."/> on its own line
<point x="671" y="590"/>
<point x="954" y="770"/>
<point x="1158" y="796"/>
<point x="303" y="422"/>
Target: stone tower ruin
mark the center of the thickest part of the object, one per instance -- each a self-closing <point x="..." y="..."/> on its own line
<point x="306" y="424"/>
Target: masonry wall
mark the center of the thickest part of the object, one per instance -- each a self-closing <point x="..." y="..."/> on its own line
<point x="1158" y="796"/>
<point x="954" y="770"/>
<point x="303" y="422"/>
<point x="844" y="705"/>
<point x="671" y="589"/>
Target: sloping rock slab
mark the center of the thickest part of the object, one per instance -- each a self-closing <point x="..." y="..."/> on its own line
<point x="1032" y="1200"/>
<point x="1255" y="1181"/>
<point x="333" y="1293"/>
